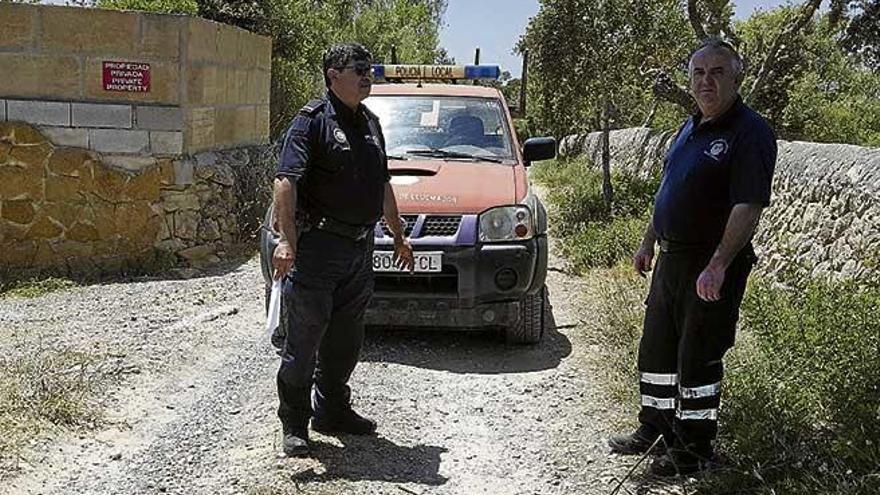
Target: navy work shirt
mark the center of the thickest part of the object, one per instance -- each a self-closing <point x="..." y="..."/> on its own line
<point x="709" y="169"/>
<point x="337" y="158"/>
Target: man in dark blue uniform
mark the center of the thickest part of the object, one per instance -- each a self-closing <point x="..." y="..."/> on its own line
<point x="331" y="187"/>
<point x="716" y="181"/>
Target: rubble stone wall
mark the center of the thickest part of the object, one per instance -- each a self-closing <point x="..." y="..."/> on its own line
<point x="66" y="210"/>
<point x="98" y="177"/>
<point x="824" y="219"/>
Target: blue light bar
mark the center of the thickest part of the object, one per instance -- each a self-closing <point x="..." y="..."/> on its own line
<point x="482" y="72"/>
<point x="436" y="72"/>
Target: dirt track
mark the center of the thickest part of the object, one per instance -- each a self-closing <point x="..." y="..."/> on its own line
<point x="193" y="413"/>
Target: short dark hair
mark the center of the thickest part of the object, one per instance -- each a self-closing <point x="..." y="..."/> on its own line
<point x="341" y="54"/>
<point x="719" y="44"/>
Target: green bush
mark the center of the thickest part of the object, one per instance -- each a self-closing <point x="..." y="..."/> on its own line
<point x="592" y="235"/>
<point x="802" y="408"/>
<point x="604" y="244"/>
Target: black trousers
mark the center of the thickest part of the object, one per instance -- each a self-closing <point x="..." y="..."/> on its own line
<point x="323" y="303"/>
<point x="682" y="346"/>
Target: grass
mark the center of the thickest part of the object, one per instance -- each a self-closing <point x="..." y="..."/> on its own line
<point x="42" y="391"/>
<point x="801" y="410"/>
<point x="35" y="287"/>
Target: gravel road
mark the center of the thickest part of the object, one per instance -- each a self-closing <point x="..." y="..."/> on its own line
<point x="193" y="408"/>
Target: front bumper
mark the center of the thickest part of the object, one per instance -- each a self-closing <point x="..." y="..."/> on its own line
<point x="480" y="286"/>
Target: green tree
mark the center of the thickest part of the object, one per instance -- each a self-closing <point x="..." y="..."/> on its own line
<point x="592" y="63"/>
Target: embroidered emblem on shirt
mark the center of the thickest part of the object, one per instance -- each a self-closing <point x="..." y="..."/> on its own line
<point x="716" y="149"/>
<point x="339" y="135"/>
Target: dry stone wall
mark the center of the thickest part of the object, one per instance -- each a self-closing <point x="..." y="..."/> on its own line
<point x="824" y="220"/>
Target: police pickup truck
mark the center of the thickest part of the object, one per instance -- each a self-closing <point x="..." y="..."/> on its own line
<point x="478" y="232"/>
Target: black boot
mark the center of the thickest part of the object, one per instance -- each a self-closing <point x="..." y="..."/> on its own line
<point x="343" y="421"/>
<point x="295" y="442"/>
<point x="637" y="442"/>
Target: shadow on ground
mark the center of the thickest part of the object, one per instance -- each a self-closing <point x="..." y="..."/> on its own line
<point x="466" y="351"/>
<point x="374" y="458"/>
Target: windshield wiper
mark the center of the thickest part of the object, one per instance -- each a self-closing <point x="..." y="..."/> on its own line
<point x="397" y="157"/>
<point x="452" y="154"/>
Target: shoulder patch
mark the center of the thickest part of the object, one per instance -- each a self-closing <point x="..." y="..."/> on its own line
<point x="300" y="124"/>
<point x="313" y="107"/>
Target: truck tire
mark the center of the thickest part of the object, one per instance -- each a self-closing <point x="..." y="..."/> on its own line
<point x="529" y="328"/>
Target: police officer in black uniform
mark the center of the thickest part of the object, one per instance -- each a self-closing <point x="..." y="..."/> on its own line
<point x="716" y="180"/>
<point x="331" y="187"/>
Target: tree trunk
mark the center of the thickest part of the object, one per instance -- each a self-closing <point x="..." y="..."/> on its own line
<point x="607" y="188"/>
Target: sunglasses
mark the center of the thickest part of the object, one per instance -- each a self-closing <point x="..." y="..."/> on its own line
<point x="361" y="67"/>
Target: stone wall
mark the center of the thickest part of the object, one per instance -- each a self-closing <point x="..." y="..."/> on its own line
<point x="824" y="220"/>
<point x="208" y="88"/>
<point x="69" y="211"/>
<point x="100" y="174"/>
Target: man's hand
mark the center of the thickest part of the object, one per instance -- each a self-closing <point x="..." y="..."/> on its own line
<point x="282" y="259"/>
<point x="709" y="283"/>
<point x="403" y="255"/>
<point x="642" y="260"/>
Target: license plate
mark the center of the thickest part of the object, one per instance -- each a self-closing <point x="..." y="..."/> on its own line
<point x="424" y="261"/>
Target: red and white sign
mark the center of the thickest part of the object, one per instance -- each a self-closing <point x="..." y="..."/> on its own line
<point x="130" y="77"/>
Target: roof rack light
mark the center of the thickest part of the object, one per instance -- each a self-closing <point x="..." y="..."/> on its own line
<point x="442" y="72"/>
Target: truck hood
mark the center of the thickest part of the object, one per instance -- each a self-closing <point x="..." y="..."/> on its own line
<point x="435" y="186"/>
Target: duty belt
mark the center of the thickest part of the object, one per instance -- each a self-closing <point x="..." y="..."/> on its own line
<point x="354" y="232"/>
<point x="678" y="247"/>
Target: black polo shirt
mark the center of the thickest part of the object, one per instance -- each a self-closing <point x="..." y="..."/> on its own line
<point x="710" y="168"/>
<point x="337" y="157"/>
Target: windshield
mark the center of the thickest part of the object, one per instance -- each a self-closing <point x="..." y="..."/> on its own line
<point x="457" y="128"/>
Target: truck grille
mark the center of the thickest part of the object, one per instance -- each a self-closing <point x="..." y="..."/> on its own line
<point x="433" y="225"/>
<point x="410" y="223"/>
<point x="440" y="225"/>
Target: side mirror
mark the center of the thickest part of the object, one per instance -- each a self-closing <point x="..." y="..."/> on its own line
<point x="539" y="148"/>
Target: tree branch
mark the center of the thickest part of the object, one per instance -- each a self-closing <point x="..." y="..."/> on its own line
<point x="794" y="27"/>
<point x="665" y="89"/>
<point x="696" y="22"/>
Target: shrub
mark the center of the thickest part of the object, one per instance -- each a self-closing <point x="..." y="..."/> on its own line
<point x="598" y="244"/>
<point x="802" y="413"/>
<point x="593" y="236"/>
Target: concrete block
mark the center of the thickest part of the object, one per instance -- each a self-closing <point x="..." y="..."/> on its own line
<point x="56" y="77"/>
<point x="39" y="112"/>
<point x="184" y="172"/>
<point x="227" y="45"/>
<point x="67" y="136"/>
<point x="89" y="31"/>
<point x="166" y="143"/>
<point x="101" y="115"/>
<point x="202" y="40"/>
<point x="119" y="141"/>
<point x="2" y="110"/>
<point x="160" y="36"/>
<point x="202" y="85"/>
<point x="200" y="128"/>
<point x="160" y="118"/>
<point x="244" y="129"/>
<point x="224" y="127"/>
<point x="16" y="25"/>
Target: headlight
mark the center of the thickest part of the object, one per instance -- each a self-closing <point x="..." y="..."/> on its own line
<point x="507" y="223"/>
